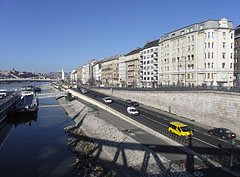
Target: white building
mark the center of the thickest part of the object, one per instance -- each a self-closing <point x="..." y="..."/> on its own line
<point x="149" y="65"/>
<point x="73" y="76"/>
<point x="122" y="71"/>
<point x="97" y="76"/>
<point x="199" y="54"/>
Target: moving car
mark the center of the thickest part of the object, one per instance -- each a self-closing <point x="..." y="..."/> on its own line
<point x="223" y="133"/>
<point x="133" y="111"/>
<point x="107" y="100"/>
<point x="84" y="90"/>
<point x="128" y="101"/>
<point x="134" y="103"/>
<point x="179" y="129"/>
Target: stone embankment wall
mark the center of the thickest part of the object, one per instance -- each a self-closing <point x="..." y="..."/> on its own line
<point x="130" y="156"/>
<point x="210" y="108"/>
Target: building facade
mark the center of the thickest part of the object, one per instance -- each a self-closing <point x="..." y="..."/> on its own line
<point x="237" y="57"/>
<point x="149" y="65"/>
<point x="122" y="71"/>
<point x="97" y="74"/>
<point x="132" y="63"/>
<point x="110" y="71"/>
<point x="199" y="54"/>
<point x="73" y="77"/>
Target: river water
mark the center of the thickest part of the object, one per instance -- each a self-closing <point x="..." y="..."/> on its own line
<point x="36" y="146"/>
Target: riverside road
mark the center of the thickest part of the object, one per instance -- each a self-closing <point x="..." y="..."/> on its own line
<point x="218" y="149"/>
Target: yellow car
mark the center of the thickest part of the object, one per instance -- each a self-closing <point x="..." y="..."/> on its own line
<point x="179" y="129"/>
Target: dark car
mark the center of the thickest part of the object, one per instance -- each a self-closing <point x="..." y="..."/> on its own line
<point x="222" y="132"/>
<point x="134" y="103"/>
<point x="128" y="101"/>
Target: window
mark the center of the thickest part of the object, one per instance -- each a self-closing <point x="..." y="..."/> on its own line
<point x="209" y="45"/>
<point x="231" y="35"/>
<point x="208" y="34"/>
<point x="223" y="55"/>
<point x="212" y="54"/>
<point x="230" y="65"/>
<point x="212" y="44"/>
<point x="212" y="34"/>
<point x="205" y="55"/>
<point x="205" y="45"/>
<point x="208" y="75"/>
<point x="231" y="56"/>
<point x="224" y="34"/>
<point x="224" y="45"/>
<point x="192" y="47"/>
<point x="192" y="38"/>
<point x="231" y="45"/>
<point x="223" y="65"/>
<point x="208" y="55"/>
<point x="208" y="65"/>
<point x="192" y="57"/>
<point x="212" y="75"/>
<point x="189" y="48"/>
<point x="189" y="57"/>
<point x="205" y="65"/>
<point x="188" y="38"/>
<point x="212" y="65"/>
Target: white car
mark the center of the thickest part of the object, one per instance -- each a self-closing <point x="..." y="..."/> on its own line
<point x="132" y="110"/>
<point x="107" y="100"/>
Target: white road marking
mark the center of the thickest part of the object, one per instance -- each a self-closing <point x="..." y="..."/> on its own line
<point x="222" y="140"/>
<point x="155" y="121"/>
<point x="238" y="146"/>
<point x="165" y="118"/>
<point x="205" y="134"/>
<point x="206" y="142"/>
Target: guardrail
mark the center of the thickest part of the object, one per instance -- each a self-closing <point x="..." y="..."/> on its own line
<point x="174" y="88"/>
<point x="4" y="107"/>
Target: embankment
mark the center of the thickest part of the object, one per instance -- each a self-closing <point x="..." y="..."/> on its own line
<point x="131" y="157"/>
<point x="214" y="109"/>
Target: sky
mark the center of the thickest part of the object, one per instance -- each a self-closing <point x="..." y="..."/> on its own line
<point x="49" y="35"/>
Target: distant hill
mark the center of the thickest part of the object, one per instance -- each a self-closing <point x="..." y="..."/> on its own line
<point x="56" y="75"/>
<point x="19" y="74"/>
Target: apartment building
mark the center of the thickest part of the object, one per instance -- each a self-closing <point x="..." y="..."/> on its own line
<point x="149" y="65"/>
<point x="73" y="76"/>
<point x="198" y="54"/>
<point x="237" y="57"/>
<point x="79" y="75"/>
<point x="122" y="71"/>
<point x="110" y="71"/>
<point x="132" y="63"/>
<point x="97" y="72"/>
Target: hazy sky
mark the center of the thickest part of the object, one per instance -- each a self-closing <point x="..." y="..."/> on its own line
<point x="48" y="35"/>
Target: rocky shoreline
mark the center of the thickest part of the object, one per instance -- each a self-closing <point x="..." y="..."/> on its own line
<point x="83" y="148"/>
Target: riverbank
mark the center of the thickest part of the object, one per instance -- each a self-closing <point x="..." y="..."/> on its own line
<point x="115" y="148"/>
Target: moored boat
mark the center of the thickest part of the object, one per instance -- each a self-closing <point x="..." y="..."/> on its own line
<point x="28" y="103"/>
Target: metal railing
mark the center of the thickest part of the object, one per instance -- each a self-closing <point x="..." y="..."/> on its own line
<point x="177" y="88"/>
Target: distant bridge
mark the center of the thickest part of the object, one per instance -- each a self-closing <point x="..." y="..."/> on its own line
<point x="27" y="80"/>
<point x="48" y="95"/>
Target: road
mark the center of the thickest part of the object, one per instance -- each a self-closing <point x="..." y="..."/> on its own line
<point x="202" y="142"/>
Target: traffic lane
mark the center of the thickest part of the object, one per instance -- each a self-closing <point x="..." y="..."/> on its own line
<point x="168" y="152"/>
<point x="153" y="120"/>
<point x="198" y="131"/>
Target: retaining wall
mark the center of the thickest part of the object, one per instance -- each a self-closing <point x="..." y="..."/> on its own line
<point x="212" y="109"/>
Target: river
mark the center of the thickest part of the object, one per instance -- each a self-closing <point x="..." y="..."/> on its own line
<point x="36" y="146"/>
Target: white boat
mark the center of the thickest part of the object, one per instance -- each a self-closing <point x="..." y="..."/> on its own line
<point x="27" y="103"/>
